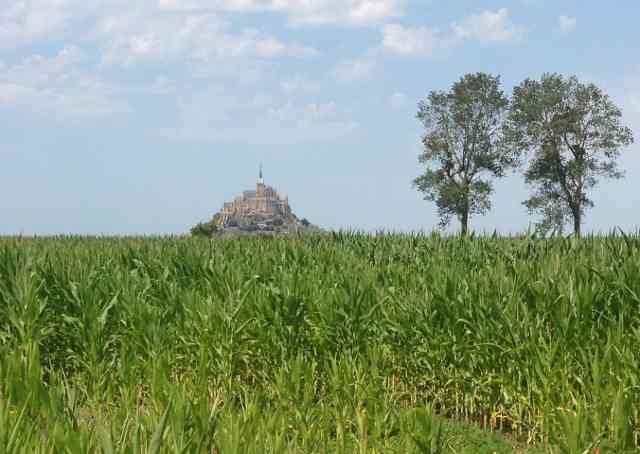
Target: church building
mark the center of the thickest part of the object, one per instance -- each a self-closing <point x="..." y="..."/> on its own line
<point x="264" y="200"/>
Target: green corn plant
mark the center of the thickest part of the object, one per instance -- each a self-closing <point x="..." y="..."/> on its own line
<point x="320" y="344"/>
<point x="576" y="433"/>
<point x="429" y="433"/>
<point x="16" y="432"/>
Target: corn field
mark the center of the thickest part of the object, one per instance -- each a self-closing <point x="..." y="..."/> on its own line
<point x="335" y="343"/>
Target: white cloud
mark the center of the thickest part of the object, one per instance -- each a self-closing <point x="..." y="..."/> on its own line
<point x="194" y="37"/>
<point x="58" y="85"/>
<point x="567" y="23"/>
<point x="398" y="100"/>
<point x="354" y="12"/>
<point x="488" y="26"/>
<point x="365" y="11"/>
<point x="299" y="85"/>
<point x="218" y="115"/>
<point x="25" y="21"/>
<point x="134" y="30"/>
<point x="354" y="70"/>
<point x="411" y="41"/>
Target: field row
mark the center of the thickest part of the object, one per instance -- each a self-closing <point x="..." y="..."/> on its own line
<point x="335" y="343"/>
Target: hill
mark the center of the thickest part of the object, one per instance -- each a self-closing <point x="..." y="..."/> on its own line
<point x="262" y="211"/>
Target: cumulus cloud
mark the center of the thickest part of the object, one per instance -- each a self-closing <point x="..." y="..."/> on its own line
<point x="299" y="85"/>
<point x="195" y="37"/>
<point x="567" y="23"/>
<point x="25" y="21"/>
<point x="213" y="116"/>
<point x="411" y="40"/>
<point x="132" y="30"/>
<point x="176" y="42"/>
<point x="486" y="27"/>
<point x="354" y="12"/>
<point x="354" y="70"/>
<point x="58" y="85"/>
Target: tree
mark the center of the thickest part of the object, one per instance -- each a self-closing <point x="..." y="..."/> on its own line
<point x="207" y="229"/>
<point x="463" y="147"/>
<point x="574" y="133"/>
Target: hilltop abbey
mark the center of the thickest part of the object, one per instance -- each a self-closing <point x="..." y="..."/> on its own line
<point x="264" y="201"/>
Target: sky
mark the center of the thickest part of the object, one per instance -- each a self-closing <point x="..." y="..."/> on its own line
<point x="125" y="117"/>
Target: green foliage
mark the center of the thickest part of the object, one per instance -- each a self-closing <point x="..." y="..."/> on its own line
<point x="206" y="229"/>
<point x="327" y="343"/>
<point x="429" y="433"/>
<point x="575" y="134"/>
<point x="463" y="147"/>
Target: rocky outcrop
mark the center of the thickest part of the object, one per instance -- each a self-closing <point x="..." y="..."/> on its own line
<point x="265" y="225"/>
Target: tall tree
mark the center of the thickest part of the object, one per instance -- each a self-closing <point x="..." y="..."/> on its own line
<point x="574" y="132"/>
<point x="463" y="147"/>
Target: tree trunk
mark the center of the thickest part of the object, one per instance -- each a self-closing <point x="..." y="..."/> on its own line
<point x="464" y="223"/>
<point x="577" y="222"/>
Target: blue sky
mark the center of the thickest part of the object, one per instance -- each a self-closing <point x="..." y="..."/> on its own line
<point x="144" y="116"/>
